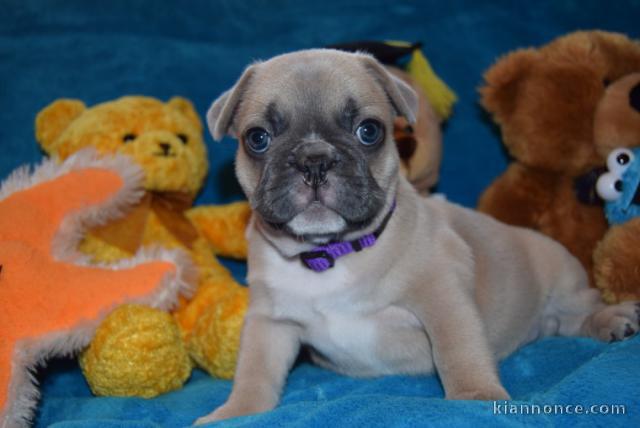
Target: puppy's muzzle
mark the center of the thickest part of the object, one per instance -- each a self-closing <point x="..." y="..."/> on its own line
<point x="314" y="160"/>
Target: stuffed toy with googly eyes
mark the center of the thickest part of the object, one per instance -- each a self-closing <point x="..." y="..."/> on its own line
<point x="616" y="257"/>
<point x="620" y="186"/>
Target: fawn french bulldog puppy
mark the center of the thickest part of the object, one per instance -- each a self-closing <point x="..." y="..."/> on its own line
<point x="346" y="258"/>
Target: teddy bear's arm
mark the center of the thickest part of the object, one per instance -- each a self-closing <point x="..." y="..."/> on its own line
<point x="546" y="202"/>
<point x="616" y="260"/>
<point x="223" y="227"/>
<point x="519" y="196"/>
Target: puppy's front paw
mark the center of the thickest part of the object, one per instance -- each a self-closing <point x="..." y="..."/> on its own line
<point x="230" y="410"/>
<point x="222" y="412"/>
<point x="616" y="322"/>
<point x="205" y="419"/>
<point x="486" y="393"/>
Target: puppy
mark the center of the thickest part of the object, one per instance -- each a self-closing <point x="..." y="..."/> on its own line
<point x="346" y="258"/>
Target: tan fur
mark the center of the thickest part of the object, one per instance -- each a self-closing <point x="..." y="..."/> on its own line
<point x="616" y="123"/>
<point x="444" y="288"/>
<point x="617" y="269"/>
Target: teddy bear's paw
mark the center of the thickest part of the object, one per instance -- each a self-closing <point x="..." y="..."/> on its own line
<point x="615" y="322"/>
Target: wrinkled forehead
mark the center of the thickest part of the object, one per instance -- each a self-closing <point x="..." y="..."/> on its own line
<point x="316" y="85"/>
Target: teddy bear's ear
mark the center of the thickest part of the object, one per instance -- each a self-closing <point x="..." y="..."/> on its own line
<point x="503" y="81"/>
<point x="185" y="107"/>
<point x="54" y="119"/>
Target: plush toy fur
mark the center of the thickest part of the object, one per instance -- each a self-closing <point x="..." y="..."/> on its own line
<point x="136" y="350"/>
<point x="617" y="256"/>
<point x="419" y="144"/>
<point x="545" y="102"/>
<point x="165" y="139"/>
<point x="51" y="297"/>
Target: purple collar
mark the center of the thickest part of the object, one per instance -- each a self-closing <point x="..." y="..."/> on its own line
<point x="323" y="257"/>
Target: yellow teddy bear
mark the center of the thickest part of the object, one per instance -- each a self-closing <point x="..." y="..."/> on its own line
<point x="165" y="139"/>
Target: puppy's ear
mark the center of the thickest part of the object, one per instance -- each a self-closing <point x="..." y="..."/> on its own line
<point x="402" y="96"/>
<point x="221" y="113"/>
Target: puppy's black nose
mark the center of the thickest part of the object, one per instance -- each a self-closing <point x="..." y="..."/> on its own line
<point x="634" y="97"/>
<point x="314" y="160"/>
<point x="314" y="170"/>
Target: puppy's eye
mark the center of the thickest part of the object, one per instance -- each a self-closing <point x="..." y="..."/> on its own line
<point x="183" y="137"/>
<point x="370" y="132"/>
<point x="129" y="137"/>
<point x="257" y="140"/>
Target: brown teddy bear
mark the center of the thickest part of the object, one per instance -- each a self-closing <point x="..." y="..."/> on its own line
<point x="545" y="101"/>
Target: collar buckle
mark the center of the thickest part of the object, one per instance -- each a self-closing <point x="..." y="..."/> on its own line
<point x="318" y="261"/>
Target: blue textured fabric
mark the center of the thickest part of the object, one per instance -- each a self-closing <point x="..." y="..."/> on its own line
<point x="99" y="50"/>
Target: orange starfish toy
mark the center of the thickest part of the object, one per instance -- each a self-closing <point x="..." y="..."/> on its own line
<point x="51" y="299"/>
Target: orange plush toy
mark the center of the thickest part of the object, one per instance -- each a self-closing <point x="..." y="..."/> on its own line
<point x="51" y="299"/>
<point x="165" y="140"/>
<point x="545" y="102"/>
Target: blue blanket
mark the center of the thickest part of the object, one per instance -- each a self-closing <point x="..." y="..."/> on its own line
<point x="97" y="51"/>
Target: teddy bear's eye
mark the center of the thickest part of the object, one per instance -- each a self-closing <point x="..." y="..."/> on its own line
<point x="606" y="82"/>
<point x="184" y="138"/>
<point x="128" y="137"/>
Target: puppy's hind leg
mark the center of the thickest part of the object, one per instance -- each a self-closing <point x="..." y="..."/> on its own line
<point x="568" y="308"/>
<point x="574" y="309"/>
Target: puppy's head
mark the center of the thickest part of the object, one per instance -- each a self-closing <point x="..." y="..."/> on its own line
<point x="316" y="156"/>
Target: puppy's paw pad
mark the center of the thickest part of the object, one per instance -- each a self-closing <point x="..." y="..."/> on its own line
<point x="622" y="331"/>
<point x="617" y="322"/>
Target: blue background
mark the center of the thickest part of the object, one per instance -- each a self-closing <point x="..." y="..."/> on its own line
<point x="100" y="50"/>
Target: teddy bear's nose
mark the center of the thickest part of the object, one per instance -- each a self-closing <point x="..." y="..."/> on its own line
<point x="166" y="148"/>
<point x="634" y="97"/>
